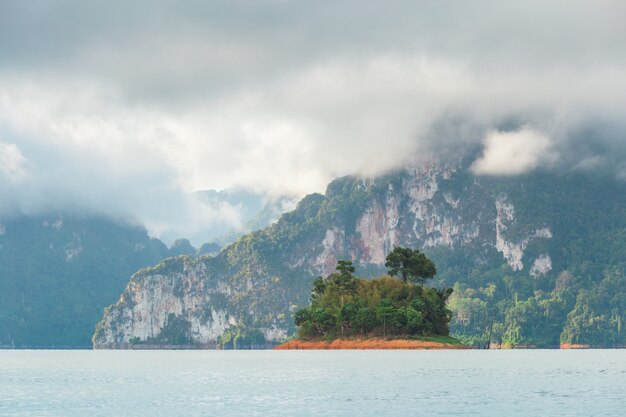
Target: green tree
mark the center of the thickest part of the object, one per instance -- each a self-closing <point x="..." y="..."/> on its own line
<point x="345" y="268"/>
<point x="322" y="320"/>
<point x="319" y="286"/>
<point x="365" y="320"/>
<point x="384" y="312"/>
<point x="410" y="264"/>
<point x="343" y="280"/>
<point x="376" y="307"/>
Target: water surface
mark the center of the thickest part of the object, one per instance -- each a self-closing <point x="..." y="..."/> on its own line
<point x="312" y="383"/>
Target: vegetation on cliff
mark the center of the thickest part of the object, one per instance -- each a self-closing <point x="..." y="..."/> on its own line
<point x="345" y="306"/>
<point x="58" y="272"/>
<point x="241" y="337"/>
<point x="579" y="299"/>
<point x="535" y="259"/>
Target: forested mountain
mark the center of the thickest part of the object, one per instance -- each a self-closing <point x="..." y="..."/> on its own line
<point x="536" y="258"/>
<point x="58" y="272"/>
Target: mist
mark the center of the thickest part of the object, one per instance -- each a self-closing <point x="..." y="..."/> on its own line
<point x="126" y="110"/>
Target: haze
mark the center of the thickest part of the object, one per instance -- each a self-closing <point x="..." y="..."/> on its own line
<point x="126" y="109"/>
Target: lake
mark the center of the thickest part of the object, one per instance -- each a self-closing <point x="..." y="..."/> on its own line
<point x="313" y="383"/>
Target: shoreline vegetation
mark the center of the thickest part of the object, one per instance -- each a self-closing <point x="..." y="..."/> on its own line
<point x="441" y="343"/>
<point x="389" y="312"/>
<point x="414" y="344"/>
<point x="335" y="344"/>
<point x="394" y="311"/>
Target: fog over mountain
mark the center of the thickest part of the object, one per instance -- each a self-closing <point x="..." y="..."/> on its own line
<point x="127" y="109"/>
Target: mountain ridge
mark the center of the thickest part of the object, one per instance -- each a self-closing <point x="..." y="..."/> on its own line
<point x="504" y="243"/>
<point x="59" y="271"/>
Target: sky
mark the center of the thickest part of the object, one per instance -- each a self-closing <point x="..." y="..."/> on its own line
<point x="126" y="108"/>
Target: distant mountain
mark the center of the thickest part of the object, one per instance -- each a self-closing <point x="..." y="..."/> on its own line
<point x="182" y="247"/>
<point x="249" y="211"/>
<point x="534" y="259"/>
<point x="210" y="248"/>
<point x="59" y="271"/>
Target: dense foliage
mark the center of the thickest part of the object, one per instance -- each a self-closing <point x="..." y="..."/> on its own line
<point x="569" y="303"/>
<point x="576" y="297"/>
<point x="410" y="265"/>
<point x="242" y="337"/>
<point x="58" y="273"/>
<point x="580" y="300"/>
<point x="344" y="306"/>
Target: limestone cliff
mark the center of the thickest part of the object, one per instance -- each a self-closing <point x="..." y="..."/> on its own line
<point x="465" y="223"/>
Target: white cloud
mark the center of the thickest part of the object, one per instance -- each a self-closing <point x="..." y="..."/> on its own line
<point x="126" y="109"/>
<point x="13" y="165"/>
<point x="513" y="153"/>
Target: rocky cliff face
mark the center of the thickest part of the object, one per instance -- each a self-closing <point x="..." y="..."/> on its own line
<point x="465" y="223"/>
<point x="147" y="305"/>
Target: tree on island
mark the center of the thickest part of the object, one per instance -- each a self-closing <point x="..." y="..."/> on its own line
<point x="385" y="310"/>
<point x="410" y="264"/>
<point x="343" y="305"/>
<point x="319" y="286"/>
<point x="343" y="280"/>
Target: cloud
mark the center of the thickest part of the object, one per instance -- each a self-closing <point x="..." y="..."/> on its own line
<point x="13" y="165"/>
<point x="514" y="153"/>
<point x="126" y="109"/>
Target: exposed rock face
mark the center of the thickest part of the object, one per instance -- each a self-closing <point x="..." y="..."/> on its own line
<point x="541" y="266"/>
<point x="513" y="252"/>
<point x="260" y="280"/>
<point x="333" y="243"/>
<point x="146" y="306"/>
<point x="203" y="302"/>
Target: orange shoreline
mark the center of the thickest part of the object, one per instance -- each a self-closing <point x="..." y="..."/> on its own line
<point x="574" y="346"/>
<point x="361" y="344"/>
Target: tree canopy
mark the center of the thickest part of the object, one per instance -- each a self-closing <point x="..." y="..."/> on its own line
<point x="343" y="280"/>
<point x="343" y="305"/>
<point x="410" y="264"/>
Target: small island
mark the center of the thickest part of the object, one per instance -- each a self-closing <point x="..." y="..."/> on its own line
<point x="394" y="311"/>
